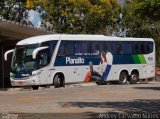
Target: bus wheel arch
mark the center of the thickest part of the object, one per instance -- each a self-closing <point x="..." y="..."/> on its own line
<point x="134" y="77"/>
<point x="59" y="80"/>
<point x="123" y="77"/>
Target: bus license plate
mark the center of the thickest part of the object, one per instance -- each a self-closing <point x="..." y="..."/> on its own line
<point x="20" y="83"/>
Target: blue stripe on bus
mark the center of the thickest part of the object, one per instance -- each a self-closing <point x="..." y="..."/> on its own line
<point x="117" y="59"/>
<point x="61" y="61"/>
<point x="106" y="73"/>
<point x="123" y="59"/>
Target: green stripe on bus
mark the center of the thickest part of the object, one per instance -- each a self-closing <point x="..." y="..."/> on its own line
<point x="136" y="59"/>
<point x="142" y="59"/>
<point x="12" y="75"/>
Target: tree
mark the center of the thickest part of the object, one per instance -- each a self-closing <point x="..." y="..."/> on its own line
<point x="102" y="16"/>
<point x="141" y="18"/>
<point x="80" y="16"/>
<point x="17" y="10"/>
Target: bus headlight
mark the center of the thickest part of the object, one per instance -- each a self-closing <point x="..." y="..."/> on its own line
<point x="35" y="73"/>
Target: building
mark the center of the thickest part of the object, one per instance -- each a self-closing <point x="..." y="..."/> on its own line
<point x="10" y="33"/>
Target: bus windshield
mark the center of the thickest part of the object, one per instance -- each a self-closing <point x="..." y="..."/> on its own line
<point x="22" y="61"/>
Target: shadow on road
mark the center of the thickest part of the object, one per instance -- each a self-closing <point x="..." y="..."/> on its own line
<point x="148" y="88"/>
<point x="148" y="109"/>
<point x="136" y="106"/>
<point x="90" y="115"/>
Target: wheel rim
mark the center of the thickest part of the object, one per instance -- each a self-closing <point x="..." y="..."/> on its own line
<point x="123" y="78"/>
<point x="58" y="81"/>
<point x="134" y="77"/>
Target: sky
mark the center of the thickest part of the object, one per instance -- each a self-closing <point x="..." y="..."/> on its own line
<point x="34" y="17"/>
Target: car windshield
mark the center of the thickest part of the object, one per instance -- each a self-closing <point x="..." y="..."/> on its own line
<point x="22" y="61"/>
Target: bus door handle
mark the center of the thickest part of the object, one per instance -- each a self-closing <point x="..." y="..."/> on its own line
<point x="87" y="68"/>
<point x="76" y="68"/>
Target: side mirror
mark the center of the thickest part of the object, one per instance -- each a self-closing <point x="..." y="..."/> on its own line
<point x="34" y="54"/>
<point x="6" y="54"/>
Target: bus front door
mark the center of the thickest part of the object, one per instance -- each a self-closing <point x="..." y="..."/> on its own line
<point x="44" y="74"/>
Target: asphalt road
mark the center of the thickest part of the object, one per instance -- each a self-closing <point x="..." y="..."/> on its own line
<point x="83" y="100"/>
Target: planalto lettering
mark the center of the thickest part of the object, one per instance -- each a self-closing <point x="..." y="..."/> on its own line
<point x="78" y="60"/>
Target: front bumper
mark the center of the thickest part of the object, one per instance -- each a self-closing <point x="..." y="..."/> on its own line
<point x="21" y="82"/>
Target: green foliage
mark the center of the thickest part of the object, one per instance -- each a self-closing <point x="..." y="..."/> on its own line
<point x="14" y="10"/>
<point x="141" y="18"/>
<point x="81" y="16"/>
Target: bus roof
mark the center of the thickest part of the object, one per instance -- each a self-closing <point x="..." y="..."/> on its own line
<point x="76" y="37"/>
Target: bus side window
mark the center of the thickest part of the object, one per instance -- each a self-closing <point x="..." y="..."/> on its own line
<point x="127" y="47"/>
<point x="136" y="48"/>
<point x="149" y="47"/>
<point x="117" y="48"/>
<point x="142" y="48"/>
<point x="95" y="48"/>
<point x="66" y="48"/>
<point x="113" y="48"/>
<point x="43" y="57"/>
<point x="61" y="50"/>
<point x="52" y="46"/>
<point x="106" y="46"/>
<point x="82" y="48"/>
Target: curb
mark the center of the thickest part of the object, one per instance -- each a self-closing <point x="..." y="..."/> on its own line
<point x="19" y="89"/>
<point x="3" y="89"/>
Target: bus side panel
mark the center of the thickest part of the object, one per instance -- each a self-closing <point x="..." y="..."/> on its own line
<point x="150" y="65"/>
<point x="72" y="74"/>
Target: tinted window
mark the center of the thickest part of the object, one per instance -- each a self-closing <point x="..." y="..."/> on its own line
<point x="145" y="47"/>
<point x="66" y="48"/>
<point x="136" y="48"/>
<point x="43" y="58"/>
<point x="51" y="45"/>
<point x="96" y="47"/>
<point x="116" y="48"/>
<point x="107" y="46"/>
<point x="126" y="47"/>
<point x="149" y="47"/>
<point x="82" y="48"/>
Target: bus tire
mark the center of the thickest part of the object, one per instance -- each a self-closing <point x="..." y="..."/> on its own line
<point x="123" y="78"/>
<point x="134" y="78"/>
<point x="62" y="83"/>
<point x="57" y="81"/>
<point x="35" y="87"/>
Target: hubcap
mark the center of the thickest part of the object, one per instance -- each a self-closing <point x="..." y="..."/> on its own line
<point x="124" y="78"/>
<point x="134" y="77"/>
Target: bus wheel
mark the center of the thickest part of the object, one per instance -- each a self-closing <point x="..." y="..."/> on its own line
<point x="134" y="78"/>
<point x="123" y="78"/>
<point x="62" y="83"/>
<point x="35" y="87"/>
<point x="57" y="81"/>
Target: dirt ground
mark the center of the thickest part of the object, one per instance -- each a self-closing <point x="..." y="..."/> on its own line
<point x="83" y="101"/>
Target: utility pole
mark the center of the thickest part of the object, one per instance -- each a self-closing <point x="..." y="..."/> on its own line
<point x="2" y="66"/>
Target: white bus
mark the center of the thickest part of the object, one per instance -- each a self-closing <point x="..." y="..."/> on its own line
<point x="60" y="59"/>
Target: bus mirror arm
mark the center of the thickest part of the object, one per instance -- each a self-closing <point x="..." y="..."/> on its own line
<point x="6" y="54"/>
<point x="35" y="52"/>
